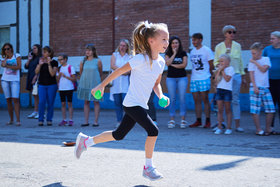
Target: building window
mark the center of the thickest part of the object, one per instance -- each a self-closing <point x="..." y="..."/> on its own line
<point x="4" y="35"/>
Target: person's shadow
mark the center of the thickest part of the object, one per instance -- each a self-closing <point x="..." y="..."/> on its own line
<point x="224" y="166"/>
<point x="57" y="184"/>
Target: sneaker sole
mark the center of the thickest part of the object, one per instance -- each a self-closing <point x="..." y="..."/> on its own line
<point x="76" y="146"/>
<point x="145" y="176"/>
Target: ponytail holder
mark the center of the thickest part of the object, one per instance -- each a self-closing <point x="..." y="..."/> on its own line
<point x="147" y="24"/>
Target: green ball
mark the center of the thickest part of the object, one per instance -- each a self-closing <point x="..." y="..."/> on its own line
<point x="97" y="94"/>
<point x="162" y="102"/>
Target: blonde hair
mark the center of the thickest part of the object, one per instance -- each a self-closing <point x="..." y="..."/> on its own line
<point x="141" y="33"/>
<point x="128" y="50"/>
<point x="257" y="46"/>
<point x="225" y="56"/>
<point x="276" y="33"/>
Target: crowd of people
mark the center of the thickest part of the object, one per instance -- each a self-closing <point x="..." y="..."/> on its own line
<point x="222" y="70"/>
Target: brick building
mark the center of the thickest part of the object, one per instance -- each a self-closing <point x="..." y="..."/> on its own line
<point x="68" y="25"/>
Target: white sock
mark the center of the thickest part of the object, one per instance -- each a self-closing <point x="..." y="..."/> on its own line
<point x="89" y="142"/>
<point x="149" y="162"/>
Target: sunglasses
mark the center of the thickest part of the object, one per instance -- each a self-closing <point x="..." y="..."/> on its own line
<point x="7" y="49"/>
<point x="231" y="32"/>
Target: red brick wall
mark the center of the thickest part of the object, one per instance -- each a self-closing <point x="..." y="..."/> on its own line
<point x="75" y="23"/>
<point x="254" y="20"/>
<point x="174" y="13"/>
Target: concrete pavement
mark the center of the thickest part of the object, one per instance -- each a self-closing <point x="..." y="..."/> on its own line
<point x="34" y="156"/>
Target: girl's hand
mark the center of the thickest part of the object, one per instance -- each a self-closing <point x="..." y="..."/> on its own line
<point x="41" y="62"/>
<point x="30" y="56"/>
<point x="256" y="90"/>
<point x="99" y="87"/>
<point x="175" y="50"/>
<point x="253" y="61"/>
<point x="61" y="74"/>
<point x="48" y="60"/>
<point x="4" y="63"/>
<point x="166" y="98"/>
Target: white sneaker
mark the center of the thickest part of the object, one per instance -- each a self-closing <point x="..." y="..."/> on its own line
<point x="36" y="116"/>
<point x="239" y="129"/>
<point x="171" y="124"/>
<point x="32" y="115"/>
<point x="80" y="146"/>
<point x="228" y="131"/>
<point x="183" y="124"/>
<point x="218" y="131"/>
<point x="151" y="173"/>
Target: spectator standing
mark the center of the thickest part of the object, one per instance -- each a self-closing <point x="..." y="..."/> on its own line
<point x="120" y="85"/>
<point x="90" y="76"/>
<point x="33" y="60"/>
<point x="10" y="81"/>
<point x="176" y="60"/>
<point x="273" y="52"/>
<point x="233" y="49"/>
<point x="66" y="78"/>
<point x="47" y="85"/>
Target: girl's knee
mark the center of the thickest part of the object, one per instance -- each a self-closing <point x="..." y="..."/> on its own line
<point x="153" y="131"/>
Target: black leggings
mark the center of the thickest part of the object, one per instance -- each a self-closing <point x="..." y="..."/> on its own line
<point x="274" y="87"/>
<point x="133" y="115"/>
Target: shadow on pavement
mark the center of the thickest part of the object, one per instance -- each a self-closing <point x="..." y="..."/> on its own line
<point x="224" y="166"/>
<point x="57" y="184"/>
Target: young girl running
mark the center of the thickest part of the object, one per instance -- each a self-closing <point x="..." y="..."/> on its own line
<point x="146" y="70"/>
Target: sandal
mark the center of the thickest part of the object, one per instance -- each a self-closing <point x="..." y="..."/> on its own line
<point x="274" y="133"/>
<point x="18" y="124"/>
<point x="183" y="124"/>
<point x="10" y="123"/>
<point x="85" y="125"/>
<point x="171" y="124"/>
<point x="260" y="133"/>
<point x="95" y="125"/>
<point x="49" y="123"/>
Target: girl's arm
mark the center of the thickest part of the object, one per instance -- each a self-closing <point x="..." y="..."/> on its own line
<point x="100" y="69"/>
<point x="111" y="77"/>
<point x="169" y="60"/>
<point x="263" y="68"/>
<point x="113" y="62"/>
<point x="81" y="68"/>
<point x="226" y="77"/>
<point x="211" y="66"/>
<point x="252" y="78"/>
<point x="158" y="90"/>
<point x="17" y="67"/>
<point x="52" y="70"/>
<point x="217" y="74"/>
<point x="183" y="65"/>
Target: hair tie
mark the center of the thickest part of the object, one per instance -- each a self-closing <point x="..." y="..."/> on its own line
<point x="147" y="24"/>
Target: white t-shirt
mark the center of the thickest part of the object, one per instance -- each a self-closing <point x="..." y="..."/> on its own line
<point x="120" y="84"/>
<point x="142" y="80"/>
<point x="223" y="84"/>
<point x="66" y="84"/>
<point x="261" y="79"/>
<point x="200" y="64"/>
<point x="10" y="74"/>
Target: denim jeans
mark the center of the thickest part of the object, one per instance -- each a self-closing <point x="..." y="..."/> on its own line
<point x="47" y="94"/>
<point x="118" y="100"/>
<point x="236" y="83"/>
<point x="172" y="85"/>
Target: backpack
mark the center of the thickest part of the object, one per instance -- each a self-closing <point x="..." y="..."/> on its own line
<point x="75" y="83"/>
